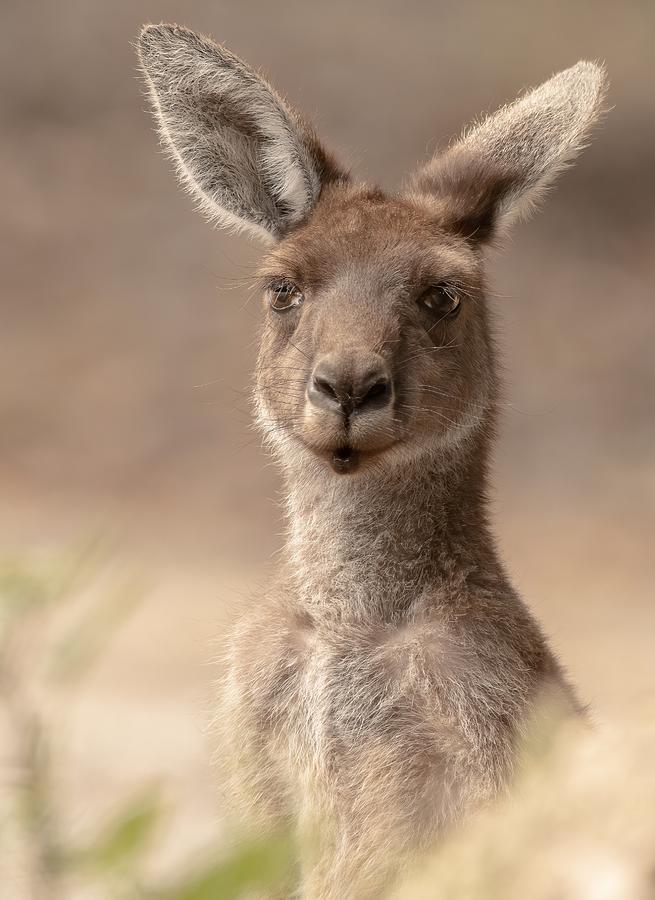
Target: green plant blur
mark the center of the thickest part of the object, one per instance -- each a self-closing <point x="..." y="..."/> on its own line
<point x="33" y="593"/>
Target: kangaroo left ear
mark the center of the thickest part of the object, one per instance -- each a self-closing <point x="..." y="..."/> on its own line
<point x="498" y="171"/>
<point x="245" y="155"/>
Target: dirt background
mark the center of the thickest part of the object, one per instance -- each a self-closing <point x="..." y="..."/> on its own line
<point x="127" y="339"/>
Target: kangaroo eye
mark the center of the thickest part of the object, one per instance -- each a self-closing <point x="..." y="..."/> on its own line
<point x="442" y="300"/>
<point x="284" y="295"/>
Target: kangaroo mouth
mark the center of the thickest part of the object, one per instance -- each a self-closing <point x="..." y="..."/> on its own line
<point x="344" y="460"/>
<point x="345" y="457"/>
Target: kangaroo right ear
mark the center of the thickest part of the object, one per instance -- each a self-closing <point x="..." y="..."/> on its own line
<point x="498" y="171"/>
<point x="249" y="160"/>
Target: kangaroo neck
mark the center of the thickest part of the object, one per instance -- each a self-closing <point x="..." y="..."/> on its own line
<point x="368" y="546"/>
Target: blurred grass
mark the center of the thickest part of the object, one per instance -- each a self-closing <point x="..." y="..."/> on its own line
<point x="580" y="824"/>
<point x="34" y="654"/>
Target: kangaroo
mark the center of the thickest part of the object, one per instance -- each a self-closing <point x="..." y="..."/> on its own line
<point x="379" y="691"/>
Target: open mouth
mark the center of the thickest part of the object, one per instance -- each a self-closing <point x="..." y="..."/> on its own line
<point x="344" y="460"/>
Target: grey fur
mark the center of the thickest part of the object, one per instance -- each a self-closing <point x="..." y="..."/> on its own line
<point x="239" y="149"/>
<point x="381" y="688"/>
<point x="524" y="146"/>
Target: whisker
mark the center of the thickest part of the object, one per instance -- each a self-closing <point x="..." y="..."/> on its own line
<point x="296" y="347"/>
<point x="431" y="412"/>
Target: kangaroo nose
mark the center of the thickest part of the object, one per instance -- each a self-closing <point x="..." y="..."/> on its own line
<point x="351" y="387"/>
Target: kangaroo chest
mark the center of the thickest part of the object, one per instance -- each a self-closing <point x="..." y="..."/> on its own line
<point x="356" y="699"/>
<point x="409" y="714"/>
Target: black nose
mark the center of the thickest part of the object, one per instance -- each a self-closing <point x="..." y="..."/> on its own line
<point x="359" y="385"/>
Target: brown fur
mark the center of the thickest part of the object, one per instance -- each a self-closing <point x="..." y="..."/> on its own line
<point x="380" y="689"/>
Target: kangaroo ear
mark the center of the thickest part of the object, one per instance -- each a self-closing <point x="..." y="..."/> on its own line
<point x="499" y="169"/>
<point x="239" y="149"/>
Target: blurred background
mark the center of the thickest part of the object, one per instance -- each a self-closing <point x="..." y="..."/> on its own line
<point x="128" y="335"/>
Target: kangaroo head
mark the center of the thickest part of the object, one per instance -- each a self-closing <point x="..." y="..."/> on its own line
<point x="376" y="344"/>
